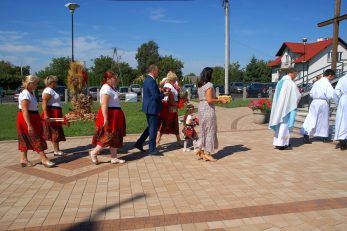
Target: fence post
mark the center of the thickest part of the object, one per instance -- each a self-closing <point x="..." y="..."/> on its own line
<point x="217" y="91"/>
<point x="189" y="90"/>
<point x="66" y="96"/>
<point x="244" y="93"/>
<point x="97" y="95"/>
<point x="270" y="93"/>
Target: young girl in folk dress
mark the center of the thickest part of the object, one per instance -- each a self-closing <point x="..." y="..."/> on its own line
<point x="189" y="122"/>
<point x="110" y="121"/>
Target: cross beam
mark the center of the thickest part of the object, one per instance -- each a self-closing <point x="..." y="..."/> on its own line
<point x="336" y="20"/>
<point x="331" y="21"/>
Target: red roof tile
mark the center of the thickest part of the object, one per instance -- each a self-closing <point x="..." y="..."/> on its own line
<point x="275" y="62"/>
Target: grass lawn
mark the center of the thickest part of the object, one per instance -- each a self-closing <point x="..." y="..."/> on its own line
<point x="135" y="120"/>
<point x="236" y="103"/>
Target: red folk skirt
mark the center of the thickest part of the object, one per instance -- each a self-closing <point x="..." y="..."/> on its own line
<point x="53" y="131"/>
<point x="111" y="135"/>
<point x="33" y="141"/>
<point x="168" y="120"/>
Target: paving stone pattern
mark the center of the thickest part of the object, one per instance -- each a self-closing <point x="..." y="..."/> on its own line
<point x="252" y="186"/>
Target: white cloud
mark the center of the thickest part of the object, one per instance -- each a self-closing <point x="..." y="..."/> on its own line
<point x="160" y="15"/>
<point x="11" y="35"/>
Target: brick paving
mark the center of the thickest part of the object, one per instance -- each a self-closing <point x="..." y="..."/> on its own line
<point x="252" y="186"/>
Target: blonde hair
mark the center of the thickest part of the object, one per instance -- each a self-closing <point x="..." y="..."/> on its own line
<point x="30" y="79"/>
<point x="51" y="78"/>
<point x="171" y="76"/>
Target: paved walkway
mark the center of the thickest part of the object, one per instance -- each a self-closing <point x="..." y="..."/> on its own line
<point x="251" y="187"/>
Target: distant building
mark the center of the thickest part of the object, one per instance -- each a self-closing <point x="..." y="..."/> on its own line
<point x="310" y="59"/>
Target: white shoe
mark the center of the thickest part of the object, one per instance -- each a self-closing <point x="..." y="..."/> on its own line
<point x="59" y="153"/>
<point x="94" y="158"/>
<point x="186" y="149"/>
<point x="117" y="161"/>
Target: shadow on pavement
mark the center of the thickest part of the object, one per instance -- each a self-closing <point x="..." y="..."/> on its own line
<point x="78" y="148"/>
<point x="230" y="150"/>
<point x="90" y="224"/>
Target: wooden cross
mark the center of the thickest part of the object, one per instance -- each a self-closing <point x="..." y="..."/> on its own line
<point x="336" y="20"/>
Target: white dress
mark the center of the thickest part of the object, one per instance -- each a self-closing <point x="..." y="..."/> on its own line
<point x="341" y="114"/>
<point x="317" y="120"/>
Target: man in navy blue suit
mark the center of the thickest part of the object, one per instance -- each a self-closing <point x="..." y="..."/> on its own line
<point x="151" y="105"/>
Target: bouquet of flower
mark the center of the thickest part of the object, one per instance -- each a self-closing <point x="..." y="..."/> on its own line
<point x="182" y="98"/>
<point x="227" y="97"/>
<point x="261" y="104"/>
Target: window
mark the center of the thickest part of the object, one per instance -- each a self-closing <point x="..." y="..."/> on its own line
<point x="330" y="55"/>
<point x="287" y="59"/>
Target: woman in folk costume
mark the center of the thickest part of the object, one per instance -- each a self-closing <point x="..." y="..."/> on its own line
<point x="168" y="117"/>
<point x="317" y="120"/>
<point x="51" y="106"/>
<point x="29" y="126"/>
<point x="110" y="120"/>
<point x="283" y="110"/>
<point x="341" y="114"/>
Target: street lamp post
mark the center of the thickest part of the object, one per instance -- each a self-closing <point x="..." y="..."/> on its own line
<point x="227" y="48"/>
<point x="304" y="40"/>
<point x="72" y="7"/>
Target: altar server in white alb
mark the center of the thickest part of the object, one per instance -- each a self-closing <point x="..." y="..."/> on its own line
<point x="283" y="111"/>
<point x="341" y="114"/>
<point x="317" y="120"/>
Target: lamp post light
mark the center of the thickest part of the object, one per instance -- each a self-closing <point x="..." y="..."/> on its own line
<point x="72" y="7"/>
<point x="304" y="40"/>
<point x="227" y="47"/>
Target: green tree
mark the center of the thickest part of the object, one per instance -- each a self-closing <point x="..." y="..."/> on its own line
<point x="127" y="74"/>
<point x="101" y="65"/>
<point x="58" y="67"/>
<point x="218" y="75"/>
<point x="11" y="75"/>
<point x="257" y="71"/>
<point x="236" y="73"/>
<point x="146" y="55"/>
<point x="168" y="63"/>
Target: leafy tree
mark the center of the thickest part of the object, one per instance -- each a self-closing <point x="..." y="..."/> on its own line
<point x="58" y="67"/>
<point x="235" y="72"/>
<point x="191" y="74"/>
<point x="127" y="74"/>
<point x="257" y="71"/>
<point x="11" y="75"/>
<point x="218" y="75"/>
<point x="102" y="64"/>
<point x="147" y="54"/>
<point x="7" y="69"/>
<point x="168" y="63"/>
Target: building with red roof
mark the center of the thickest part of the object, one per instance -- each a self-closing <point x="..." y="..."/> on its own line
<point x="310" y="59"/>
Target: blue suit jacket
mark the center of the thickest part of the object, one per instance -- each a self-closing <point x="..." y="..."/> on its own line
<point x="151" y="96"/>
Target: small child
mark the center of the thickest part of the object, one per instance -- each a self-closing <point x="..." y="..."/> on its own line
<point x="189" y="122"/>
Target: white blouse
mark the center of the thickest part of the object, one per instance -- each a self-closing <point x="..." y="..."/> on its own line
<point x="114" y="100"/>
<point x="173" y="90"/>
<point x="25" y="94"/>
<point x="55" y="97"/>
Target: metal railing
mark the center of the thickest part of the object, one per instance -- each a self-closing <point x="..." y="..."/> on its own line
<point x="305" y="95"/>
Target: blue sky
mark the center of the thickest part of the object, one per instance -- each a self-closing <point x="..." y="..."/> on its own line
<point x="34" y="32"/>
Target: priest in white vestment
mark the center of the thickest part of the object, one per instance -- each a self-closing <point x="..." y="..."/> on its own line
<point x="341" y="114"/>
<point x="317" y="120"/>
<point x="283" y="110"/>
